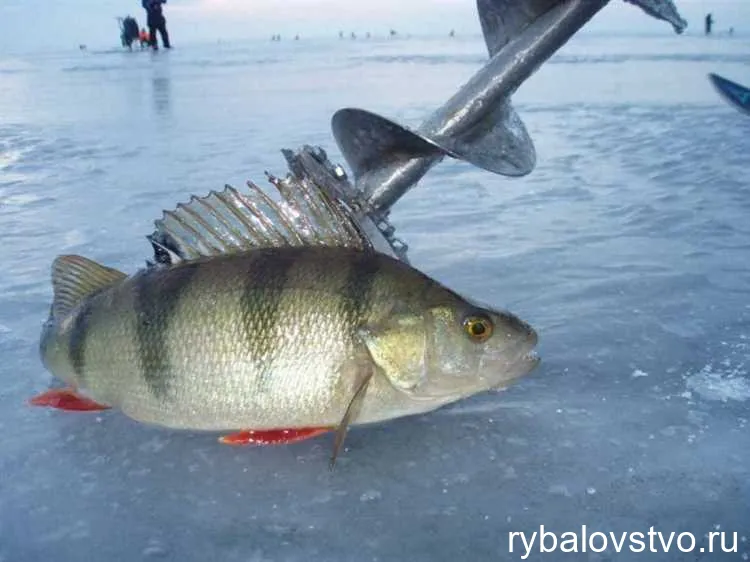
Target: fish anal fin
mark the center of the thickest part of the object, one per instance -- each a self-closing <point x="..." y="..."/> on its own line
<point x="272" y="436"/>
<point x="67" y="399"/>
<point x="74" y="278"/>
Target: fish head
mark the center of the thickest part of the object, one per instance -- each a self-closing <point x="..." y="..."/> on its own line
<point x="472" y="348"/>
<point x="453" y="348"/>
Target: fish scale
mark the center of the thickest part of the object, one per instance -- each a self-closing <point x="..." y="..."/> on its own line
<point x="156" y="298"/>
<point x="208" y="314"/>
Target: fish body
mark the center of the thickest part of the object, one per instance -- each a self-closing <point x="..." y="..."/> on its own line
<point x="271" y="338"/>
<point x="276" y="320"/>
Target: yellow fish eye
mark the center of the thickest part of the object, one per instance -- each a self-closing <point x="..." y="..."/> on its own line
<point x="478" y="328"/>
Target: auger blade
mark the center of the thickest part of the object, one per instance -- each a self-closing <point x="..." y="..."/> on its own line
<point x="499" y="143"/>
<point x="662" y="10"/>
<point x="502" y="20"/>
<point x="369" y="141"/>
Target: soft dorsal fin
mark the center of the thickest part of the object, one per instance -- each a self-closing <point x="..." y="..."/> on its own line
<point x="75" y="278"/>
<point x="230" y="222"/>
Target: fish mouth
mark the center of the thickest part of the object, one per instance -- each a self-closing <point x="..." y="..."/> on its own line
<point x="527" y="361"/>
<point x="530" y="356"/>
<point x="524" y="359"/>
<point x="524" y="351"/>
<point x="532" y="359"/>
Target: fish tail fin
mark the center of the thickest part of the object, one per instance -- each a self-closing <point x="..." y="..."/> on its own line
<point x="75" y="278"/>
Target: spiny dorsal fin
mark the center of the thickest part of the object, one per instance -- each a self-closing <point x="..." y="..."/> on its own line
<point x="75" y="278"/>
<point x="229" y="222"/>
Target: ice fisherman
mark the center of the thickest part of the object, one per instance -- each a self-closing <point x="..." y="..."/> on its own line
<point x="144" y="38"/>
<point x="709" y="23"/>
<point x="128" y="31"/>
<point x="156" y="22"/>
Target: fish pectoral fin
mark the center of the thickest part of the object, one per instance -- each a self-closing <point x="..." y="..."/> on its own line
<point x="272" y="436"/>
<point x="398" y="347"/>
<point x="364" y="374"/>
<point x="75" y="278"/>
<point x="67" y="399"/>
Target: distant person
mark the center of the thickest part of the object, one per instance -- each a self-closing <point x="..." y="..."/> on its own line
<point x="156" y="22"/>
<point x="709" y="23"/>
<point x="144" y="38"/>
<point x="129" y="32"/>
<point x="731" y="31"/>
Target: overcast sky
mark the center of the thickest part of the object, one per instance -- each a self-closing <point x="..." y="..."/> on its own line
<point x="44" y="24"/>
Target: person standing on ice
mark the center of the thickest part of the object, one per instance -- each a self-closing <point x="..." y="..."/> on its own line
<point x="709" y="24"/>
<point x="144" y="38"/>
<point x="156" y="22"/>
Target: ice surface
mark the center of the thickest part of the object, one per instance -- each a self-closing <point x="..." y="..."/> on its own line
<point x="627" y="248"/>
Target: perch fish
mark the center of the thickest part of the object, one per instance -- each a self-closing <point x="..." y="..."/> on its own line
<point x="275" y="322"/>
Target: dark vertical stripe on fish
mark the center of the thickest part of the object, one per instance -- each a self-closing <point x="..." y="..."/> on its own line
<point x="78" y="335"/>
<point x="262" y="296"/>
<point x="356" y="294"/>
<point x="157" y="295"/>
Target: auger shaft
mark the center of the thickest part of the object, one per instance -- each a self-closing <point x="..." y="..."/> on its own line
<point x="478" y="123"/>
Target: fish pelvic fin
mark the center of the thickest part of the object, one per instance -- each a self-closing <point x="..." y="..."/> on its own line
<point x="231" y="222"/>
<point x="362" y="372"/>
<point x="75" y="278"/>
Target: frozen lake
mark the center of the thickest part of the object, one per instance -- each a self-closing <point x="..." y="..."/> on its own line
<point x="628" y="249"/>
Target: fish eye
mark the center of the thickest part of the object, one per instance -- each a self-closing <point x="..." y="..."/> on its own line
<point x="478" y="328"/>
